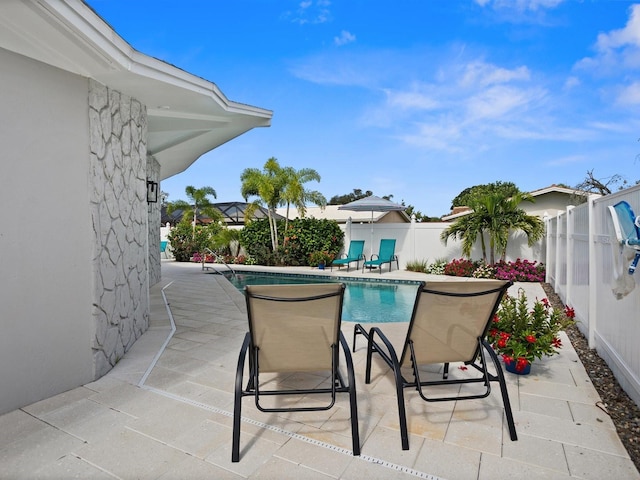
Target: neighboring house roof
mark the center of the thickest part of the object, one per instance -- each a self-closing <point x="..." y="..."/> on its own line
<point x="548" y="202"/>
<point x="187" y="115"/>
<point x="232" y="213"/>
<point x="331" y="212"/>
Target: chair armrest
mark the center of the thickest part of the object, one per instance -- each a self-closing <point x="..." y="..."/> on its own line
<point x="389" y="356"/>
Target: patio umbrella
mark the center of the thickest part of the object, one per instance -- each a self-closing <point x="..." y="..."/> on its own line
<point x="372" y="204"/>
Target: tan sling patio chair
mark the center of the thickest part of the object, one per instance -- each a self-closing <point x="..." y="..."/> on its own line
<point x="449" y="323"/>
<point x="294" y="328"/>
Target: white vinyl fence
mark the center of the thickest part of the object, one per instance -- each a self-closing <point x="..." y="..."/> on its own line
<point x="588" y="269"/>
<point x="421" y="241"/>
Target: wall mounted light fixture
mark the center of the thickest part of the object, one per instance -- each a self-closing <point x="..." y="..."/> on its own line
<point x="152" y="192"/>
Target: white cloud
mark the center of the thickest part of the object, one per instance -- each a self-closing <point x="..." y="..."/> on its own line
<point x="436" y="135"/>
<point x="440" y="100"/>
<point x="629" y="35"/>
<point x="617" y="49"/>
<point x="310" y="12"/>
<point x="484" y="74"/>
<point x="344" y="38"/>
<point x="411" y="99"/>
<point x="520" y="5"/>
<point x="571" y="82"/>
<point x="499" y="101"/>
<point x="617" y="54"/>
<point x="629" y="95"/>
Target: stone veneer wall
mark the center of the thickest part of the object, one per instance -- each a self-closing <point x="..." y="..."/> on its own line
<point x="153" y="173"/>
<point x="118" y="196"/>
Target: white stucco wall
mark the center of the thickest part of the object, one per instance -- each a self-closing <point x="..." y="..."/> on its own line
<point x="45" y="232"/>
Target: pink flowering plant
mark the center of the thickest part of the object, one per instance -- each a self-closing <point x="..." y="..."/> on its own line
<point x="516" y="271"/>
<point x="520" y="271"/>
<point x="520" y="333"/>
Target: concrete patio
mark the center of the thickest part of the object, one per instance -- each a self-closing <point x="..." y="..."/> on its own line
<point x="165" y="412"/>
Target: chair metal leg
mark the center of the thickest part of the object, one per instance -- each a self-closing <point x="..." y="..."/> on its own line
<point x="355" y="435"/>
<point x="503" y="390"/>
<point x="391" y="358"/>
<point x="402" y="414"/>
<point x="358" y="330"/>
<point x="237" y="402"/>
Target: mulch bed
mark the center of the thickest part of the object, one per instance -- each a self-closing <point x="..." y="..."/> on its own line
<point x="620" y="407"/>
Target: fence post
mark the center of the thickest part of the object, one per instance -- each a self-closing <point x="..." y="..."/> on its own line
<point x="558" y="270"/>
<point x="550" y="253"/>
<point x="570" y="245"/>
<point x="593" y="274"/>
<point x="413" y="237"/>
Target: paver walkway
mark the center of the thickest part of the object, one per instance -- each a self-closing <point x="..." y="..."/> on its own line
<point x="164" y="412"/>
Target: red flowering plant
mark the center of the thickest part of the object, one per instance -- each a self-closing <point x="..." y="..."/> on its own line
<point x="521" y="333"/>
<point x="320" y="257"/>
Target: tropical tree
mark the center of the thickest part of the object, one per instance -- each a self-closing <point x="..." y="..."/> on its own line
<point x="495" y="215"/>
<point x="268" y="185"/>
<point x="228" y="239"/>
<point x="466" y="197"/>
<point x="466" y="229"/>
<point x="198" y="204"/>
<point x="357" y="194"/>
<point x="295" y="194"/>
<point x="507" y="217"/>
<point x="603" y="186"/>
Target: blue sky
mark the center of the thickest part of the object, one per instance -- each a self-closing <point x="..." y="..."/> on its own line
<point x="419" y="99"/>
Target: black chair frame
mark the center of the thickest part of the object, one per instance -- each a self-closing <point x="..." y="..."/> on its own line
<point x="479" y="363"/>
<point x="252" y="388"/>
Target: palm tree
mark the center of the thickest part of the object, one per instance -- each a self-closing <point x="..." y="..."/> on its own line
<point x="198" y="204"/>
<point x="268" y="186"/>
<point x="497" y="216"/>
<point x="511" y="217"/>
<point x="295" y="193"/>
<point x="467" y="229"/>
<point x="229" y="239"/>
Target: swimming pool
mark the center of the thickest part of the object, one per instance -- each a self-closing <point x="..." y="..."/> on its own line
<point x="364" y="302"/>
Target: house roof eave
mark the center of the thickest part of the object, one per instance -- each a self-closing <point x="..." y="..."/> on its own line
<point x="187" y="115"/>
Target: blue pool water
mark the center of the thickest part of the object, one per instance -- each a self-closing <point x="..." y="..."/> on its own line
<point x="364" y="302"/>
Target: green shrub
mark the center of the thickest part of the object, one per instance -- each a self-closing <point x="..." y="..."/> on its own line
<point x="303" y="236"/>
<point x="417" y="266"/>
<point x="183" y="242"/>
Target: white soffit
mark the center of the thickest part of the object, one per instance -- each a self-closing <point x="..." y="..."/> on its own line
<point x="187" y="115"/>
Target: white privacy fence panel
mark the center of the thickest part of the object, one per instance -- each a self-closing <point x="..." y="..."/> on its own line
<point x="577" y="287"/>
<point x="560" y="258"/>
<point x="590" y="274"/>
<point x="421" y="242"/>
<point x="617" y="310"/>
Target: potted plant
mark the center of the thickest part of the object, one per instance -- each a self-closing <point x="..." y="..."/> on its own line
<point x="320" y="258"/>
<point x="521" y="333"/>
